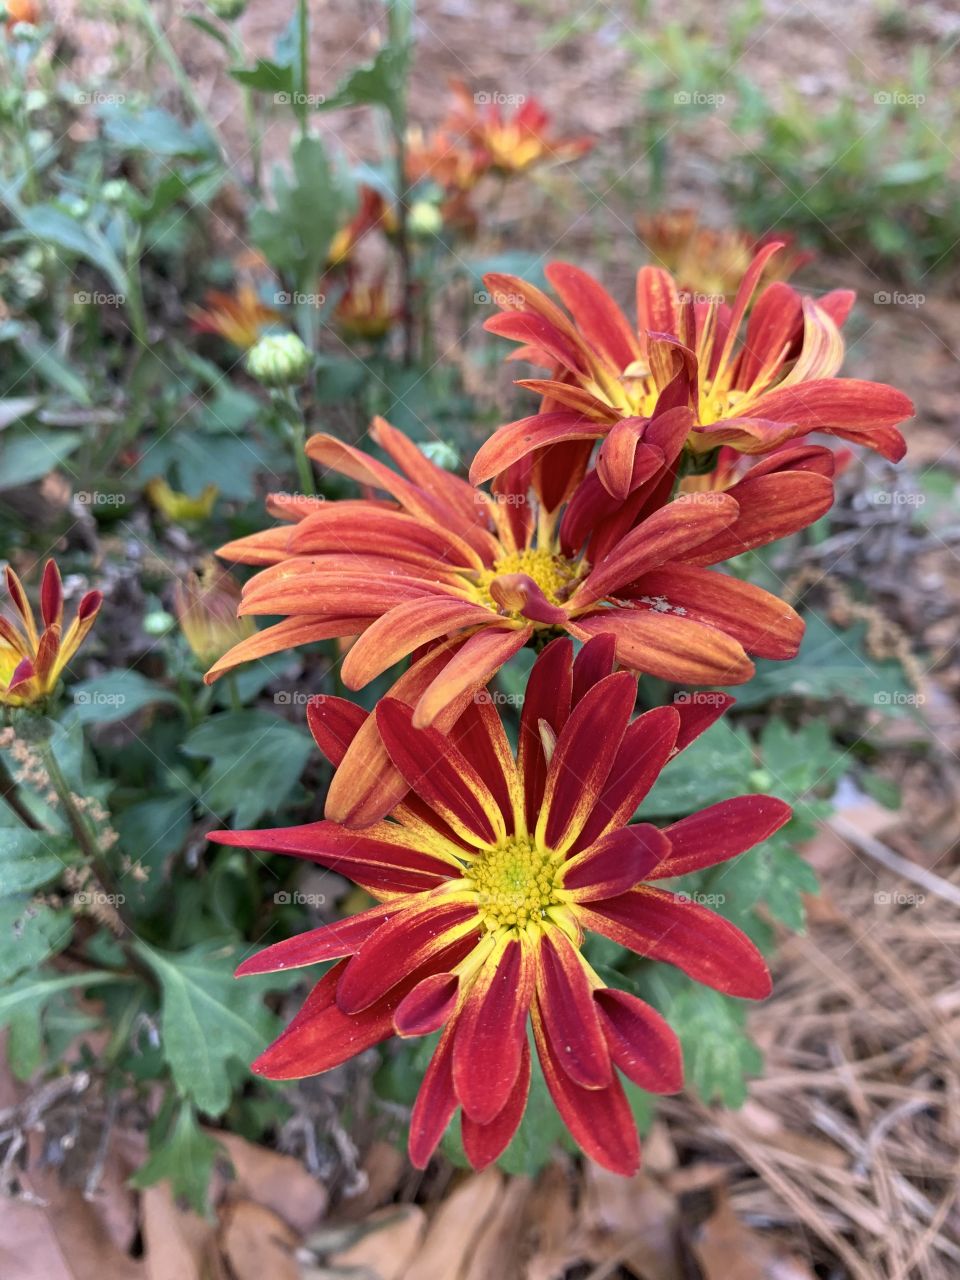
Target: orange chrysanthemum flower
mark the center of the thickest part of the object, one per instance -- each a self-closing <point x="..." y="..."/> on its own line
<point x="709" y="260"/>
<point x="444" y="559"/>
<point x="366" y="309"/>
<point x="487" y="878"/>
<point x="779" y="383"/>
<point x="32" y="661"/>
<point x="27" y="11"/>
<point x="239" y="317"/>
<point x="374" y="213"/>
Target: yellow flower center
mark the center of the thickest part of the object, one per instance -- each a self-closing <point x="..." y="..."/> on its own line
<point x="515" y="884"/>
<point x="553" y="574"/>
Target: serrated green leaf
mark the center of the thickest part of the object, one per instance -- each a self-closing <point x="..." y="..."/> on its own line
<point x="717" y="766"/>
<point x="29" y="859"/>
<point x="117" y="695"/>
<point x="30" y="932"/>
<point x="183" y="1155"/>
<point x="255" y="763"/>
<point x="209" y="1020"/>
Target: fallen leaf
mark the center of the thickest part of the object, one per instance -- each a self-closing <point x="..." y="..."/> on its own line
<point x="257" y="1243"/>
<point x="455" y="1227"/>
<point x="390" y="1243"/>
<point x="279" y="1182"/>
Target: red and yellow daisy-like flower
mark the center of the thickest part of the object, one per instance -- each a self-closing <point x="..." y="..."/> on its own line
<point x="487" y="877"/>
<point x="366" y="309"/>
<point x="512" y="143"/>
<point x="712" y="260"/>
<point x="444" y="559"/>
<point x="238" y="317"/>
<point x="775" y="385"/>
<point x="373" y="213"/>
<point x="32" y="660"/>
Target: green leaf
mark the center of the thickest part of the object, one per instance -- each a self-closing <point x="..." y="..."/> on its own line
<point x="208" y="1020"/>
<point x="13" y="408"/>
<point x="718" y="1055"/>
<point x="255" y="763"/>
<point x="28" y="456"/>
<point x="59" y="229"/>
<point x="30" y="932"/>
<point x="266" y="76"/>
<point x="716" y="766"/>
<point x="295" y="235"/>
<point x="380" y="83"/>
<point x="35" y="989"/>
<point x="29" y="859"/>
<point x="771" y="873"/>
<point x="183" y="1155"/>
<point x="831" y="664"/>
<point x="25" y="1042"/>
<point x="155" y="131"/>
<point x="117" y="695"/>
<point x="151" y="832"/>
<point x="539" y="1133"/>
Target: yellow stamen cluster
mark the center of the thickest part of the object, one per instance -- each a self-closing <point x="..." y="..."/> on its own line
<point x="553" y="574"/>
<point x="515" y="883"/>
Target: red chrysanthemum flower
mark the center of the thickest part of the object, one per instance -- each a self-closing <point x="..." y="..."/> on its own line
<point x="444" y="559"/>
<point x="239" y="317"/>
<point x="487" y="877"/>
<point x="32" y="660"/>
<point x="777" y="384"/>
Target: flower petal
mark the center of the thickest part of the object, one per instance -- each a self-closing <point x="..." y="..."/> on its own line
<point x="546" y="701"/>
<point x="565" y="999"/>
<point x="405" y="627"/>
<point x="428" y="1005"/>
<point x="663" y="926"/>
<point x="475" y="662"/>
<point x="329" y="942"/>
<point x="600" y="1120"/>
<point x="616" y="862"/>
<point x="670" y="646"/>
<point x="720" y="832"/>
<point x="436" y="1102"/>
<point x="642" y="1043"/>
<point x="491" y="1032"/>
<point x="483" y="1143"/>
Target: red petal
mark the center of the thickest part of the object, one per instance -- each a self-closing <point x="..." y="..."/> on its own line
<point x="565" y="999"/>
<point x="440" y="774"/>
<point x="670" y="646"/>
<point x="600" y="1120"/>
<point x="720" y="832"/>
<point x="771" y="507"/>
<point x="616" y="862"/>
<point x="436" y="1102"/>
<point x="334" y="723"/>
<point x="383" y="857"/>
<point x="51" y="595"/>
<point x="646" y="747"/>
<point x="663" y="926"/>
<point x="597" y="316"/>
<point x="491" y="1033"/>
<point x="585" y="751"/>
<point x="329" y="942"/>
<point x="484" y="1142"/>
<point x="413" y="937"/>
<point x="594" y="661"/>
<point x="546" y="699"/>
<point x="642" y="1044"/>
<point x="405" y="627"/>
<point x="428" y="1006"/>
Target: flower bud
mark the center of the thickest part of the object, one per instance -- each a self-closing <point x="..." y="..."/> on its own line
<point x="278" y="360"/>
<point x="424" y="219"/>
<point x="227" y="10"/>
<point x="206" y="607"/>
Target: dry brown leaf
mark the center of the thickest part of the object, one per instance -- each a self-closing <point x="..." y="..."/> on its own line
<point x="726" y="1248"/>
<point x="497" y="1251"/>
<point x="451" y="1236"/>
<point x="177" y="1242"/>
<point x="66" y="1240"/>
<point x="279" y="1182"/>
<point x="384" y="1166"/>
<point x="387" y="1250"/>
<point x="257" y="1243"/>
<point x="632" y="1220"/>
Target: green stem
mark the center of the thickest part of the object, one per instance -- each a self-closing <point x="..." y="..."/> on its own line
<point x="297" y="431"/>
<point x="10" y="792"/>
<point x="236" y="703"/>
<point x="302" y="105"/>
<point x="77" y="821"/>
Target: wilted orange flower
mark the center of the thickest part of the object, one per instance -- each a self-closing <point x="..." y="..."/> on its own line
<point x="180" y="506"/>
<point x="711" y="261"/>
<point x="448" y="560"/>
<point x="776" y="384"/>
<point x="239" y="317"/>
<point x="366" y="309"/>
<point x="32" y="661"/>
<point x="28" y="11"/>
<point x="488" y="877"/>
<point x="206" y="607"/>
<point x="373" y="213"/>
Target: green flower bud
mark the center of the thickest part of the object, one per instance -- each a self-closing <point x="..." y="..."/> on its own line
<point x="424" y="219"/>
<point x="278" y="360"/>
<point x="227" y="9"/>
